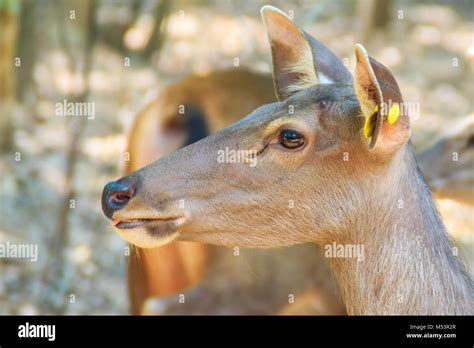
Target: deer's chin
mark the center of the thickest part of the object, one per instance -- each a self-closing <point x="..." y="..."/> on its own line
<point x="144" y="238"/>
<point x="148" y="233"/>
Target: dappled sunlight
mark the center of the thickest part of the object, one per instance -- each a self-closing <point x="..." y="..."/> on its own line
<point x="138" y="36"/>
<point x="105" y="148"/>
<point x="183" y="25"/>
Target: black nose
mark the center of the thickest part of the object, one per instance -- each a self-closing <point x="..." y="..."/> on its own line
<point x="116" y="195"/>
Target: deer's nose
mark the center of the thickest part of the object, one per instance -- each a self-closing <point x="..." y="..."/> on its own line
<point x="116" y="196"/>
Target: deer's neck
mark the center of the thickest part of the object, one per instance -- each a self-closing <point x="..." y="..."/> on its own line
<point x="408" y="265"/>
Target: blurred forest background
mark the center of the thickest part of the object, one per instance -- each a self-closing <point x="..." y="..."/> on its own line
<point x="118" y="53"/>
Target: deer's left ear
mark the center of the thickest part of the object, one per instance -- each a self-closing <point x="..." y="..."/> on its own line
<point x="299" y="60"/>
<point x="381" y="103"/>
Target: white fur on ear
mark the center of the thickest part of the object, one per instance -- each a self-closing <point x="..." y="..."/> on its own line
<point x="271" y="8"/>
<point x="324" y="79"/>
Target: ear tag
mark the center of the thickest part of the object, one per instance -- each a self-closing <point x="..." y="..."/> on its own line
<point x="393" y="114"/>
<point x="370" y="123"/>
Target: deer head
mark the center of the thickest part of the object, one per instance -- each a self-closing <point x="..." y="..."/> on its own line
<point x="294" y="171"/>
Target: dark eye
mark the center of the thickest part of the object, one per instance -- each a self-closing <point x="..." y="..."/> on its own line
<point x="291" y="139"/>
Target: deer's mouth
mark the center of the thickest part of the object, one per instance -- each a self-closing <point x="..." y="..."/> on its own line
<point x="133" y="223"/>
<point x="129" y="224"/>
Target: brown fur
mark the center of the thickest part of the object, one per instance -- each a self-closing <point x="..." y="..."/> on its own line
<point x="410" y="265"/>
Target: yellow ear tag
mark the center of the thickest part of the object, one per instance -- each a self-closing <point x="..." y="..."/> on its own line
<point x="393" y="114"/>
<point x="370" y="123"/>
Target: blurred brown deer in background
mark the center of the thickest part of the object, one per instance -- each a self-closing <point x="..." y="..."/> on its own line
<point x="448" y="165"/>
<point x="163" y="273"/>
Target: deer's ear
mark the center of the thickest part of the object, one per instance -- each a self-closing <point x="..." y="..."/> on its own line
<point x="381" y="103"/>
<point x="299" y="60"/>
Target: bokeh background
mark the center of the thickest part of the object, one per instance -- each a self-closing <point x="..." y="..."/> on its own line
<point x="117" y="54"/>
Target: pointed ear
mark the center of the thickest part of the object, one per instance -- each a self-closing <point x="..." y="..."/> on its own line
<point x="381" y="103"/>
<point x="299" y="60"/>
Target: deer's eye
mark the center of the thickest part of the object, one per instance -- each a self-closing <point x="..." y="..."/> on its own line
<point x="291" y="139"/>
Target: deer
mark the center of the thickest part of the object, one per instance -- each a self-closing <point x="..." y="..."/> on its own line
<point x="336" y="145"/>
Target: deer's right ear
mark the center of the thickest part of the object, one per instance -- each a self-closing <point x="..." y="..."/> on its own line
<point x="299" y="60"/>
<point x="381" y="103"/>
